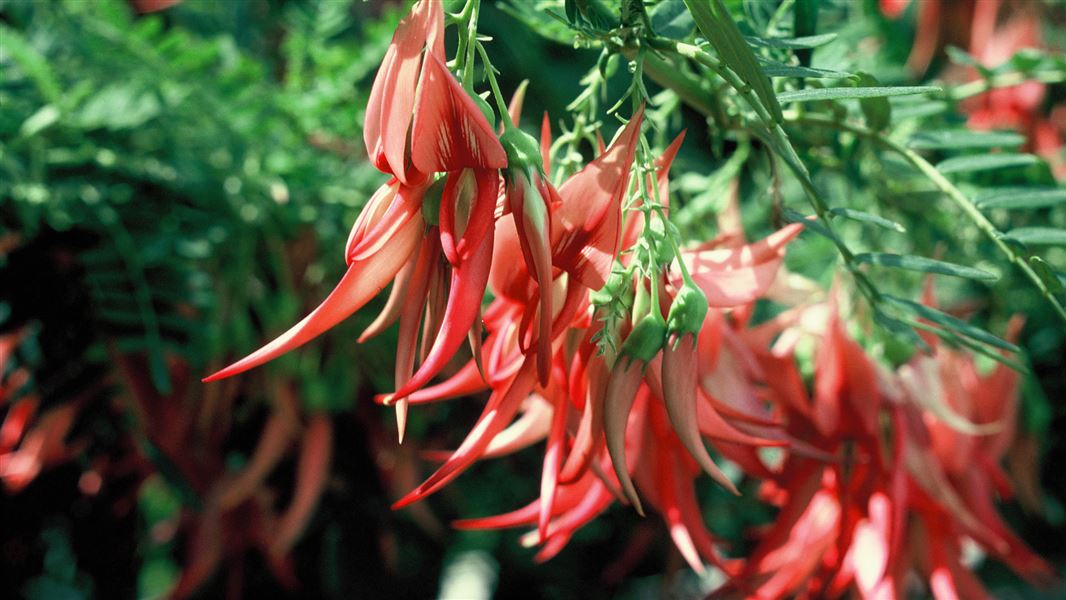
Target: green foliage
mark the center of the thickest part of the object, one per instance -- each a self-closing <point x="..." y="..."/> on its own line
<point x="195" y="160"/>
<point x="215" y="172"/>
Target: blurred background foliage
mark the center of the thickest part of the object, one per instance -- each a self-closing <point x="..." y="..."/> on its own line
<point x="176" y="186"/>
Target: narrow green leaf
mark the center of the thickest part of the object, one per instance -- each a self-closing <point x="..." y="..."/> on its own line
<point x="877" y="111"/>
<point x="964" y="58"/>
<point x="959" y="139"/>
<point x="953" y="323"/>
<point x="811" y="224"/>
<point x="985" y="162"/>
<point x="1046" y="274"/>
<point x="923" y="264"/>
<point x="811" y="41"/>
<point x="777" y="69"/>
<point x="865" y="217"/>
<point x="982" y="349"/>
<point x="805" y="24"/>
<point x="717" y="26"/>
<point x="918" y="110"/>
<point x="901" y="329"/>
<point x="1020" y="198"/>
<point x="671" y="19"/>
<point x="45" y="117"/>
<point x="844" y="93"/>
<point x="1039" y="236"/>
<point x="35" y="66"/>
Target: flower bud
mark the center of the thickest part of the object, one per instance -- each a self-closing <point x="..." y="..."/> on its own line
<point x="646" y="339"/>
<point x="687" y="311"/>
<point x="523" y="152"/>
<point x="485" y="108"/>
<point x="616" y="287"/>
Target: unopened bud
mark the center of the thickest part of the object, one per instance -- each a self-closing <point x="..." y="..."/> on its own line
<point x="687" y="311"/>
<point x="646" y="339"/>
<point x="485" y="108"/>
<point x="523" y="152"/>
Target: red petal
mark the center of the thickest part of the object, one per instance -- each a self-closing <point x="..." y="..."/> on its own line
<point x="736" y="276"/>
<point x="392" y="97"/>
<point x="625" y="380"/>
<point x="360" y="284"/>
<point x="499" y="411"/>
<point x="311" y="476"/>
<point x="464" y="305"/>
<point x="679" y="396"/>
<point x="587" y="229"/>
<point x="449" y="131"/>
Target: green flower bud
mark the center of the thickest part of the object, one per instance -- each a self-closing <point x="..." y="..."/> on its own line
<point x="687" y="311"/>
<point x="615" y="288"/>
<point x="485" y="108"/>
<point x="523" y="152"/>
<point x="646" y="339"/>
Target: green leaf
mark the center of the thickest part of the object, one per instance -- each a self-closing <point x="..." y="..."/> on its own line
<point x="671" y="19"/>
<point x="1039" y="236"/>
<point x="901" y="329"/>
<point x="1020" y="198"/>
<point x="794" y="216"/>
<point x="918" y="110"/>
<point x="923" y="264"/>
<point x="961" y="57"/>
<point x="776" y="69"/>
<point x="877" y="110"/>
<point x="1046" y="274"/>
<point x="985" y="162"/>
<point x="45" y="117"/>
<point x="35" y="66"/>
<point x="953" y="323"/>
<point x="718" y="27"/>
<point x="865" y="217"/>
<point x="811" y="41"/>
<point x="959" y="139"/>
<point x="844" y="93"/>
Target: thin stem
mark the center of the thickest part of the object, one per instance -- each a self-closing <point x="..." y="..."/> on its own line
<point x="777" y="139"/>
<point x="952" y="191"/>
<point x="471" y="41"/>
<point x="980" y="86"/>
<point x="490" y="74"/>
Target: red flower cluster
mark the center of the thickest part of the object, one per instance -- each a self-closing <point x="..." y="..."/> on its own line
<point x="29" y="442"/>
<point x="993" y="34"/>
<point x="878" y="474"/>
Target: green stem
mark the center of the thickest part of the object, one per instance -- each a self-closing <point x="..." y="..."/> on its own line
<point x="779" y="141"/>
<point x="471" y="42"/>
<point x="491" y="75"/>
<point x="980" y="86"/>
<point x="952" y="191"/>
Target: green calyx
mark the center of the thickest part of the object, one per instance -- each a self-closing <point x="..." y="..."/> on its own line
<point x="523" y="152"/>
<point x="616" y="287"/>
<point x="485" y="108"/>
<point x="687" y="311"/>
<point x="646" y="339"/>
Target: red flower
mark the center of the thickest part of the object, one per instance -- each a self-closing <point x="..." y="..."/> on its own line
<point x="383" y="239"/>
<point x="586" y="230"/>
<point x="392" y="97"/>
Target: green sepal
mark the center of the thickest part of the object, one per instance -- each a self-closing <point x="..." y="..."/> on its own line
<point x="646" y="339"/>
<point x="486" y="109"/>
<point x="687" y="311"/>
<point x="523" y="152"/>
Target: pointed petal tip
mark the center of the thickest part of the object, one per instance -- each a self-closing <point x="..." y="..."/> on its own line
<point x="412" y="497"/>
